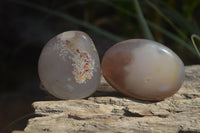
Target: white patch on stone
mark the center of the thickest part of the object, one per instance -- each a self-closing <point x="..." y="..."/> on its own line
<point x="70" y="88"/>
<point x="165" y="88"/>
<point x="66" y="36"/>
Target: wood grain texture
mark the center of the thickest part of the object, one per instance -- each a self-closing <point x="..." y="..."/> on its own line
<point x="108" y="112"/>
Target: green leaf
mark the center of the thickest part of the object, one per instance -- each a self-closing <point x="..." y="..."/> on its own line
<point x="195" y="45"/>
<point x="180" y="20"/>
<point x="155" y="7"/>
<point x="146" y="31"/>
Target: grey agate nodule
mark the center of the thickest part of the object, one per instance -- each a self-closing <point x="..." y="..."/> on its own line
<point x="69" y="66"/>
<point x="143" y="69"/>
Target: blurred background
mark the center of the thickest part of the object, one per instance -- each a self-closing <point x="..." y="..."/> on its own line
<point x="25" y="27"/>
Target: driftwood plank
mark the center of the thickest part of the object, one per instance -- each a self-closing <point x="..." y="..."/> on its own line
<point x="108" y="111"/>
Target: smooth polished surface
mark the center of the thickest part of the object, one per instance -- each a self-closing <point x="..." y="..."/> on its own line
<point x="69" y="66"/>
<point x="143" y="69"/>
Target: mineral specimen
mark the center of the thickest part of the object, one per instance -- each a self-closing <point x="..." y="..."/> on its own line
<point x="143" y="69"/>
<point x="69" y="66"/>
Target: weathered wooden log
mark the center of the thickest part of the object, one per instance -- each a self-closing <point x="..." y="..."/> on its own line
<point x="107" y="111"/>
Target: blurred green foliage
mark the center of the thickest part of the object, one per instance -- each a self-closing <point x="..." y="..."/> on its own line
<point x="174" y="20"/>
<point x="170" y="22"/>
<point x="193" y="37"/>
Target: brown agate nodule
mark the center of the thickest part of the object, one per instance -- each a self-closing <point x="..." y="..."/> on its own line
<point x="143" y="69"/>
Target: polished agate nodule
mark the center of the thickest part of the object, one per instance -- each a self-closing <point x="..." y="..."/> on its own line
<point x="143" y="69"/>
<point x="69" y="66"/>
